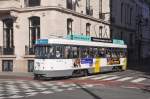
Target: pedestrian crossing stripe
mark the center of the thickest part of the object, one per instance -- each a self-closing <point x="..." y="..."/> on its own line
<point x="114" y="77"/>
<point x="101" y="77"/>
<point x="18" y="91"/>
<point x="138" y="80"/>
<point x="125" y="79"/>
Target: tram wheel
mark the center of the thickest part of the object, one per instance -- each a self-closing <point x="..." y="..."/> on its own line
<point x="37" y="77"/>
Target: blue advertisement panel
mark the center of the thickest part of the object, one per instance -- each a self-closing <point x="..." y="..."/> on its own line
<point x="87" y="61"/>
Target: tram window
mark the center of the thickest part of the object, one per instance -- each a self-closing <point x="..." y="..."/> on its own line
<point x="113" y="52"/>
<point x="118" y="52"/>
<point x="91" y="53"/>
<point x="50" y="52"/>
<point x="95" y="52"/>
<point x="75" y="52"/>
<point x="102" y="52"/>
<point x="67" y="52"/>
<point x="84" y="52"/>
<point x="108" y="53"/>
<point x="58" y="51"/>
<point x="124" y="52"/>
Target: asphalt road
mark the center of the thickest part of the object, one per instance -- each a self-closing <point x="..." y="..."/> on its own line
<point x="98" y="92"/>
<point x="113" y="85"/>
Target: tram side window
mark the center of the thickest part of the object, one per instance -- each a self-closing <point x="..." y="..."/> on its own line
<point x="41" y="52"/>
<point x="86" y="52"/>
<point x="124" y="53"/>
<point x="75" y="52"/>
<point x="108" y="53"/>
<point x="91" y="53"/>
<point x="37" y="51"/>
<point x="58" y="51"/>
<point x="95" y="52"/>
<point x="102" y="52"/>
<point x="50" y="52"/>
<point x="67" y="52"/>
<point x="114" y="52"/>
<point x="71" y="52"/>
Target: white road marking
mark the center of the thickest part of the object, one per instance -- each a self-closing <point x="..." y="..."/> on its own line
<point x="82" y="78"/>
<point x="138" y="80"/>
<point x="16" y="96"/>
<point x="130" y="87"/>
<point x="111" y="78"/>
<point x="47" y="92"/>
<point x="124" y="79"/>
<point x="102" y="77"/>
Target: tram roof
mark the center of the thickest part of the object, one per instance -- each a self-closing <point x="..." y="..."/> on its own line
<point x="84" y="43"/>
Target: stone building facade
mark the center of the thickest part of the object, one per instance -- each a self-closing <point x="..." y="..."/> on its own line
<point x="22" y="22"/>
<point x="130" y="22"/>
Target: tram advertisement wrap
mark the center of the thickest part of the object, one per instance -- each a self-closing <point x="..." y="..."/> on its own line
<point x="113" y="61"/>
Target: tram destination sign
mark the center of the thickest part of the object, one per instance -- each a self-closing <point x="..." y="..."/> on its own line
<point x="95" y="39"/>
<point x="79" y="37"/>
<point x="116" y="41"/>
<point x="42" y="41"/>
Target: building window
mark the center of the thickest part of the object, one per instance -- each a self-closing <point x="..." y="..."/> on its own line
<point x="7" y="65"/>
<point x="100" y="9"/>
<point x="71" y="4"/>
<point x="131" y="11"/>
<point x="88" y="7"/>
<point x="121" y="35"/>
<point x="88" y="25"/>
<point x="131" y="39"/>
<point x="69" y="26"/>
<point x="100" y="32"/>
<point x="122" y="12"/>
<point x="34" y="30"/>
<point x="31" y="3"/>
<point x="30" y="65"/>
<point x="8" y="33"/>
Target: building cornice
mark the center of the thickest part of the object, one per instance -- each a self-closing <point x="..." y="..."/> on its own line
<point x="64" y="10"/>
<point x="57" y="8"/>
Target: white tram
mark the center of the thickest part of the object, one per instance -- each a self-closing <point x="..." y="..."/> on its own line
<point x="62" y="57"/>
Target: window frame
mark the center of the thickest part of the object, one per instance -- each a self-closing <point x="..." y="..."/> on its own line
<point x="34" y="25"/>
<point x="32" y="3"/>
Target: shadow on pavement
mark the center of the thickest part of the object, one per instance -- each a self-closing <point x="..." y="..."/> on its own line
<point x="146" y="89"/>
<point x="143" y="67"/>
<point x="89" y="92"/>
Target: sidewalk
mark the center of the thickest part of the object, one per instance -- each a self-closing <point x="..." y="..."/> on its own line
<point x="15" y="75"/>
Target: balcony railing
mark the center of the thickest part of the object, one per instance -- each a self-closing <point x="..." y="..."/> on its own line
<point x="29" y="50"/>
<point x="7" y="50"/>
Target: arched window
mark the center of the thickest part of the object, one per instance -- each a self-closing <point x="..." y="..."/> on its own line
<point x="8" y="33"/>
<point x="69" y="26"/>
<point x="88" y="25"/>
<point x="88" y="7"/>
<point x="71" y="4"/>
<point x="34" y="30"/>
